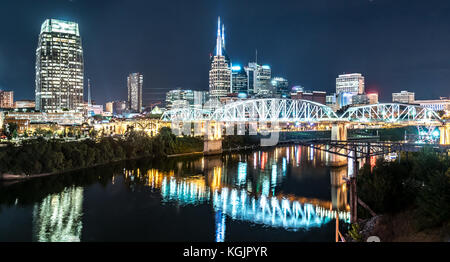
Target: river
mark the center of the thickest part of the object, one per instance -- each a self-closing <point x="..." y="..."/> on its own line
<point x="278" y="194"/>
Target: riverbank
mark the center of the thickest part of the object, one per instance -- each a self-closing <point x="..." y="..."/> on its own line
<point x="42" y="157"/>
<point x="402" y="227"/>
<point x="411" y="198"/>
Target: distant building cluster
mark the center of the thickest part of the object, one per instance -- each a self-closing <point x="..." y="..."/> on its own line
<point x="59" y="86"/>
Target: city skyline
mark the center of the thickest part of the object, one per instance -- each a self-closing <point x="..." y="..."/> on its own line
<point x="288" y="59"/>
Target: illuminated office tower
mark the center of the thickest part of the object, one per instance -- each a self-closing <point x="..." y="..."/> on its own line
<point x="239" y="80"/>
<point x="135" y="83"/>
<point x="59" y="67"/>
<point x="259" y="79"/>
<point x="280" y="86"/>
<point x="350" y="83"/>
<point x="220" y="72"/>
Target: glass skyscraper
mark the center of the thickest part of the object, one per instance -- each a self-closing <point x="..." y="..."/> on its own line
<point x="135" y="83"/>
<point x="239" y="80"/>
<point x="59" y="67"/>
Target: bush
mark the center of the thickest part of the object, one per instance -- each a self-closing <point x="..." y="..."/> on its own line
<point x="421" y="183"/>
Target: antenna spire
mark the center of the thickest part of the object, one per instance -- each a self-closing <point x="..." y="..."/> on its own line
<point x="223" y="36"/>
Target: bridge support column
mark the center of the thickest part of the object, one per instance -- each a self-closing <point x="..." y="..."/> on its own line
<point x="444" y="138"/>
<point x="339" y="132"/>
<point x="212" y="147"/>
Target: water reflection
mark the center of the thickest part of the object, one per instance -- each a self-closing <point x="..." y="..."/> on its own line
<point x="252" y="196"/>
<point x="288" y="189"/>
<point x="57" y="218"/>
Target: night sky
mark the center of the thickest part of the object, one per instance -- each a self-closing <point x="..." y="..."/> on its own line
<point x="397" y="45"/>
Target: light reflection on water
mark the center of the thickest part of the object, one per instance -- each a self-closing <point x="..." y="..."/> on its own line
<point x="240" y="187"/>
<point x="58" y="217"/>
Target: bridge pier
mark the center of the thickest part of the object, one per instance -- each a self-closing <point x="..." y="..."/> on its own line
<point x="444" y="138"/>
<point x="212" y="144"/>
<point x="339" y="132"/>
<point x="212" y="147"/>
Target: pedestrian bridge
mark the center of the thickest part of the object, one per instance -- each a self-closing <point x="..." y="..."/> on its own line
<point x="304" y="111"/>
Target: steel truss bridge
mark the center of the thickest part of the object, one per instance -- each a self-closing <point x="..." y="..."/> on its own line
<point x="297" y="110"/>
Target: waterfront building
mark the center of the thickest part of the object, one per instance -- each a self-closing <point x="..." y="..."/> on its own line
<point x="350" y="83"/>
<point x="6" y="99"/>
<point x="135" y="83"/>
<point x="59" y="67"/>
<point x="25" y="104"/>
<point x="220" y="72"/>
<point x="239" y="80"/>
<point x="441" y="104"/>
<point x="109" y="107"/>
<point x="403" y="97"/>
<point x="280" y="86"/>
<point x="373" y="98"/>
<point x="315" y="96"/>
<point x="59" y="118"/>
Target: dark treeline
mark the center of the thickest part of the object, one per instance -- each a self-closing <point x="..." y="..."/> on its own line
<point x="45" y="156"/>
<point x="31" y="191"/>
<point x="419" y="182"/>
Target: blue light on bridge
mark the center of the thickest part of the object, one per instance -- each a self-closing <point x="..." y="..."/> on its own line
<point x="435" y="133"/>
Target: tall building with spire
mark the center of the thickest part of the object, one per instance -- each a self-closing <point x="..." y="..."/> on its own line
<point x="59" y="67"/>
<point x="220" y="72"/>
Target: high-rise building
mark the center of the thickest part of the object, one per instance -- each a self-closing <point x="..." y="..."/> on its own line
<point x="6" y="99"/>
<point x="239" y="80"/>
<point x="350" y="83"/>
<point x="263" y="83"/>
<point x="220" y="72"/>
<point x="281" y="86"/>
<point x="59" y="67"/>
<point x="259" y="79"/>
<point x="135" y="83"/>
<point x="404" y="97"/>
